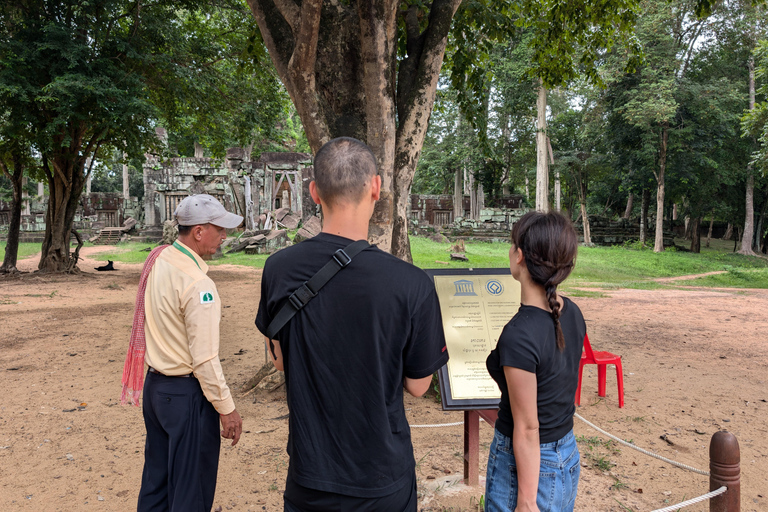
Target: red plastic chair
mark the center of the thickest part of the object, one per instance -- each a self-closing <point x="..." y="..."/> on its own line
<point x="601" y="359"/>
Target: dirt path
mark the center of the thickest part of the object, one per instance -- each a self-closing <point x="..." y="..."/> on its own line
<point x="688" y="277"/>
<point x="695" y="362"/>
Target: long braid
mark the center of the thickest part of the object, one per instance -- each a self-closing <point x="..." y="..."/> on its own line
<point x="551" y="290"/>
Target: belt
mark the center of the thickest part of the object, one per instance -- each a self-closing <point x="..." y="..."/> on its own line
<point x="152" y="370"/>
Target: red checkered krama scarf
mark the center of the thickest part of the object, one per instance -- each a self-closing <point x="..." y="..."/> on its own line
<point x="133" y="371"/>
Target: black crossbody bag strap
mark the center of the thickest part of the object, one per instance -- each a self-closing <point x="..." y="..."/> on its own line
<point x="307" y="291"/>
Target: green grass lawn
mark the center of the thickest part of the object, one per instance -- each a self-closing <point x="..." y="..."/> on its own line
<point x="618" y="267"/>
<point x="25" y="250"/>
<point x="598" y="267"/>
<point x="136" y="252"/>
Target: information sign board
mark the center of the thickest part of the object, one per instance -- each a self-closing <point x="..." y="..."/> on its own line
<point x="475" y="304"/>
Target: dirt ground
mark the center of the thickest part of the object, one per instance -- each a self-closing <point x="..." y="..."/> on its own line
<point x="695" y="362"/>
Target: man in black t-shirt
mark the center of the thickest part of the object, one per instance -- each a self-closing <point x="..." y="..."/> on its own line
<point x="372" y="330"/>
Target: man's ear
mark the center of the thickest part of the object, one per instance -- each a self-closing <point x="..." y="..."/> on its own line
<point x="376" y="187"/>
<point x="197" y="232"/>
<point x="313" y="192"/>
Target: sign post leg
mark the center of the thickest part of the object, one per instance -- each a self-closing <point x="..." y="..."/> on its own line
<point x="471" y="447"/>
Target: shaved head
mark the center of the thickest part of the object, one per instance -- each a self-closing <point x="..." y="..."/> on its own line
<point x="343" y="168"/>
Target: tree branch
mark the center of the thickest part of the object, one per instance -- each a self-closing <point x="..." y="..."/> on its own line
<point x="271" y="34"/>
<point x="302" y="63"/>
<point x="427" y="70"/>
<point x="691" y="44"/>
<point x="46" y="168"/>
<point x="291" y="13"/>
<point x="96" y="139"/>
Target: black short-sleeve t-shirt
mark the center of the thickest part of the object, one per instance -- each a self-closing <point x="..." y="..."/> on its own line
<point x="345" y="356"/>
<point x="528" y="342"/>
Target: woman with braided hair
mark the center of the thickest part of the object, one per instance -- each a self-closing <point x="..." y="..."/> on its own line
<point x="533" y="463"/>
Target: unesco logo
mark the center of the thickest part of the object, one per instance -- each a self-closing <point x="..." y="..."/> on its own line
<point x="494" y="287"/>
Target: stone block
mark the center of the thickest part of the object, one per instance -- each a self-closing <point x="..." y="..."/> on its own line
<point x="438" y="237"/>
<point x="245" y="242"/>
<point x="311" y="227"/>
<point x="290" y="221"/>
<point x="301" y="235"/>
<point x="280" y="213"/>
<point x="254" y="232"/>
<point x="277" y="234"/>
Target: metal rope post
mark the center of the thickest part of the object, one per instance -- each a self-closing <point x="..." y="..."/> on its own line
<point x="725" y="470"/>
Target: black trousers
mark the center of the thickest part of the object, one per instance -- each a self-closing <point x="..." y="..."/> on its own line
<point x="181" y="453"/>
<point x="302" y="499"/>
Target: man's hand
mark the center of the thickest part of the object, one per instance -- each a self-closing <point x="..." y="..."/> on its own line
<point x="231" y="426"/>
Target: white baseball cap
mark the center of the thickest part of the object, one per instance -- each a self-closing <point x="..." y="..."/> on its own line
<point x="204" y="209"/>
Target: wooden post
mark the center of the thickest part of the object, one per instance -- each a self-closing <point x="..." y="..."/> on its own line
<point x="472" y="442"/>
<point x="471" y="447"/>
<point x="724" y="470"/>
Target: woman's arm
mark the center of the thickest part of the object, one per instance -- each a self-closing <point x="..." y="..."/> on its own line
<point x="525" y="438"/>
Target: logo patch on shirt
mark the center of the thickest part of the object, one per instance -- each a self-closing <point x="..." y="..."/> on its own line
<point x="206" y="298"/>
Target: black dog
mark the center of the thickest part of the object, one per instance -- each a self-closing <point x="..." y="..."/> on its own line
<point x="108" y="266"/>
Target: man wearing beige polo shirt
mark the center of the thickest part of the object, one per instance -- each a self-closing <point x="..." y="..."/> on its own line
<point x="185" y="393"/>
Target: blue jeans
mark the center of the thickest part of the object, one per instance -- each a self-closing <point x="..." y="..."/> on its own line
<point x="558" y="475"/>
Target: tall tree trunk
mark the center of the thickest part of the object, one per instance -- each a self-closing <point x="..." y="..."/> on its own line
<point x="645" y="204"/>
<point x="343" y="76"/>
<point x="584" y="216"/>
<point x="628" y="209"/>
<point x="658" y="245"/>
<point x="199" y="150"/>
<point x="458" y="196"/>
<point x="557" y="175"/>
<point x="749" y="217"/>
<point x="15" y="174"/>
<point x="505" y="130"/>
<point x="711" y="225"/>
<point x="25" y="206"/>
<point x="695" y="235"/>
<point x="527" y="189"/>
<point x="472" y="197"/>
<point x="480" y="201"/>
<point x="66" y="179"/>
<point x="728" y="232"/>
<point x="126" y="179"/>
<point x="542" y="168"/>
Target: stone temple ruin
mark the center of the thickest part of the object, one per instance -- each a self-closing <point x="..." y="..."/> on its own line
<point x="438" y="217"/>
<point x="271" y="193"/>
<point x="250" y="189"/>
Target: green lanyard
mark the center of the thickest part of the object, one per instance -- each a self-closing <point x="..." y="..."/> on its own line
<point x="182" y="249"/>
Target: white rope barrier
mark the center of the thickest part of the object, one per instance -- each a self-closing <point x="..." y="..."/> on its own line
<point x="704" y="497"/>
<point x="436" y="425"/>
<point x="641" y="450"/>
